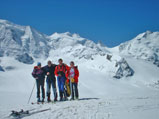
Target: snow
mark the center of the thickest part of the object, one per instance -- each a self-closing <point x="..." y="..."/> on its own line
<point x="99" y="109"/>
<point x="144" y="46"/>
<point x="101" y="95"/>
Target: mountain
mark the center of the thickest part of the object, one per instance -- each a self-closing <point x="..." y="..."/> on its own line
<point x="144" y="46"/>
<point x="24" y="41"/>
<point x="27" y="45"/>
<point x="75" y="46"/>
<point x="19" y="41"/>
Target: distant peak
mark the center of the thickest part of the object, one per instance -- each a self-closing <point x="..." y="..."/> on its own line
<point x="148" y="32"/>
<point x="75" y="35"/>
<point x="10" y="24"/>
<point x="143" y="35"/>
<point x="100" y="43"/>
<point x="29" y="28"/>
<point x="67" y="33"/>
<point x="4" y="21"/>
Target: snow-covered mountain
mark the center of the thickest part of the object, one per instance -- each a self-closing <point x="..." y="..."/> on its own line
<point x="22" y="41"/>
<point x="76" y="46"/>
<point x="27" y="45"/>
<point x="144" y="46"/>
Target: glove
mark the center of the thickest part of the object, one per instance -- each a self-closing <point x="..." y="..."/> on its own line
<point x="48" y="73"/>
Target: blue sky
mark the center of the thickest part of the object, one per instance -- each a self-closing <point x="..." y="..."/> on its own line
<point x="110" y="21"/>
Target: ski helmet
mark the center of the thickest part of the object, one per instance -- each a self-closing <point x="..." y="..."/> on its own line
<point x="38" y="64"/>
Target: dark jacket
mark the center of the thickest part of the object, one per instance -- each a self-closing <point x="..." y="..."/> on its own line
<point x="38" y="73"/>
<point x="51" y="70"/>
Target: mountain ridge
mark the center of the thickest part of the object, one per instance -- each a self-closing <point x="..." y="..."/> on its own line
<point x="19" y="41"/>
<point x="144" y="46"/>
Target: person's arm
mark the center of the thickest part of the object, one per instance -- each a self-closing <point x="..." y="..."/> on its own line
<point x="56" y="71"/>
<point x="47" y="70"/>
<point x="76" y="74"/>
<point x="67" y="67"/>
<point x="44" y="70"/>
<point x="34" y="73"/>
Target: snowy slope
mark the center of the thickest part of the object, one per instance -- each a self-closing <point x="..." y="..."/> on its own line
<point x="144" y="46"/>
<point x="101" y="96"/>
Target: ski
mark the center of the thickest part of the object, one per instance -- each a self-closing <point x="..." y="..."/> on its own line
<point x="22" y="113"/>
<point x="17" y="114"/>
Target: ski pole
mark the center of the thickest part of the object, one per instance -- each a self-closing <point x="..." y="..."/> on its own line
<point x="31" y="93"/>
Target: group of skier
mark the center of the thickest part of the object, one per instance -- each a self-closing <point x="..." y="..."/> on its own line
<point x="67" y="80"/>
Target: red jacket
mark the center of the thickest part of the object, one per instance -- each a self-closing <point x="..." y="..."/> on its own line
<point x="76" y="74"/>
<point x="62" y="68"/>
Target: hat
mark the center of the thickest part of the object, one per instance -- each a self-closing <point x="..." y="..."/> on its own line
<point x="38" y="64"/>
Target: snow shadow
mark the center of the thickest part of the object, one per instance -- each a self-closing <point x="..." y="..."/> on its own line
<point x="89" y="99"/>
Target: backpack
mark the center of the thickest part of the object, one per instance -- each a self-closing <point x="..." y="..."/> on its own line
<point x="67" y="89"/>
<point x="61" y="70"/>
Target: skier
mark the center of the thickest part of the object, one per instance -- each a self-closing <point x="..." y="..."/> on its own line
<point x="73" y="75"/>
<point x="39" y="74"/>
<point x="51" y="80"/>
<point x="60" y="72"/>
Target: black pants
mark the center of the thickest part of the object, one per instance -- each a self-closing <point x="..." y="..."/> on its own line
<point x="74" y="90"/>
<point x="40" y="84"/>
<point x="51" y="82"/>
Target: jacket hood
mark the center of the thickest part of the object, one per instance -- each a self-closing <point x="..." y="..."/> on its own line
<point x="35" y="67"/>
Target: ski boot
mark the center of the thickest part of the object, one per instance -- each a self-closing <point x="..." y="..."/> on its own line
<point x="61" y="99"/>
<point x="55" y="99"/>
<point x="61" y="96"/>
<point x="65" y="98"/>
<point x="76" y="98"/>
<point x="72" y="99"/>
<point x="42" y="100"/>
<point x="48" y="97"/>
